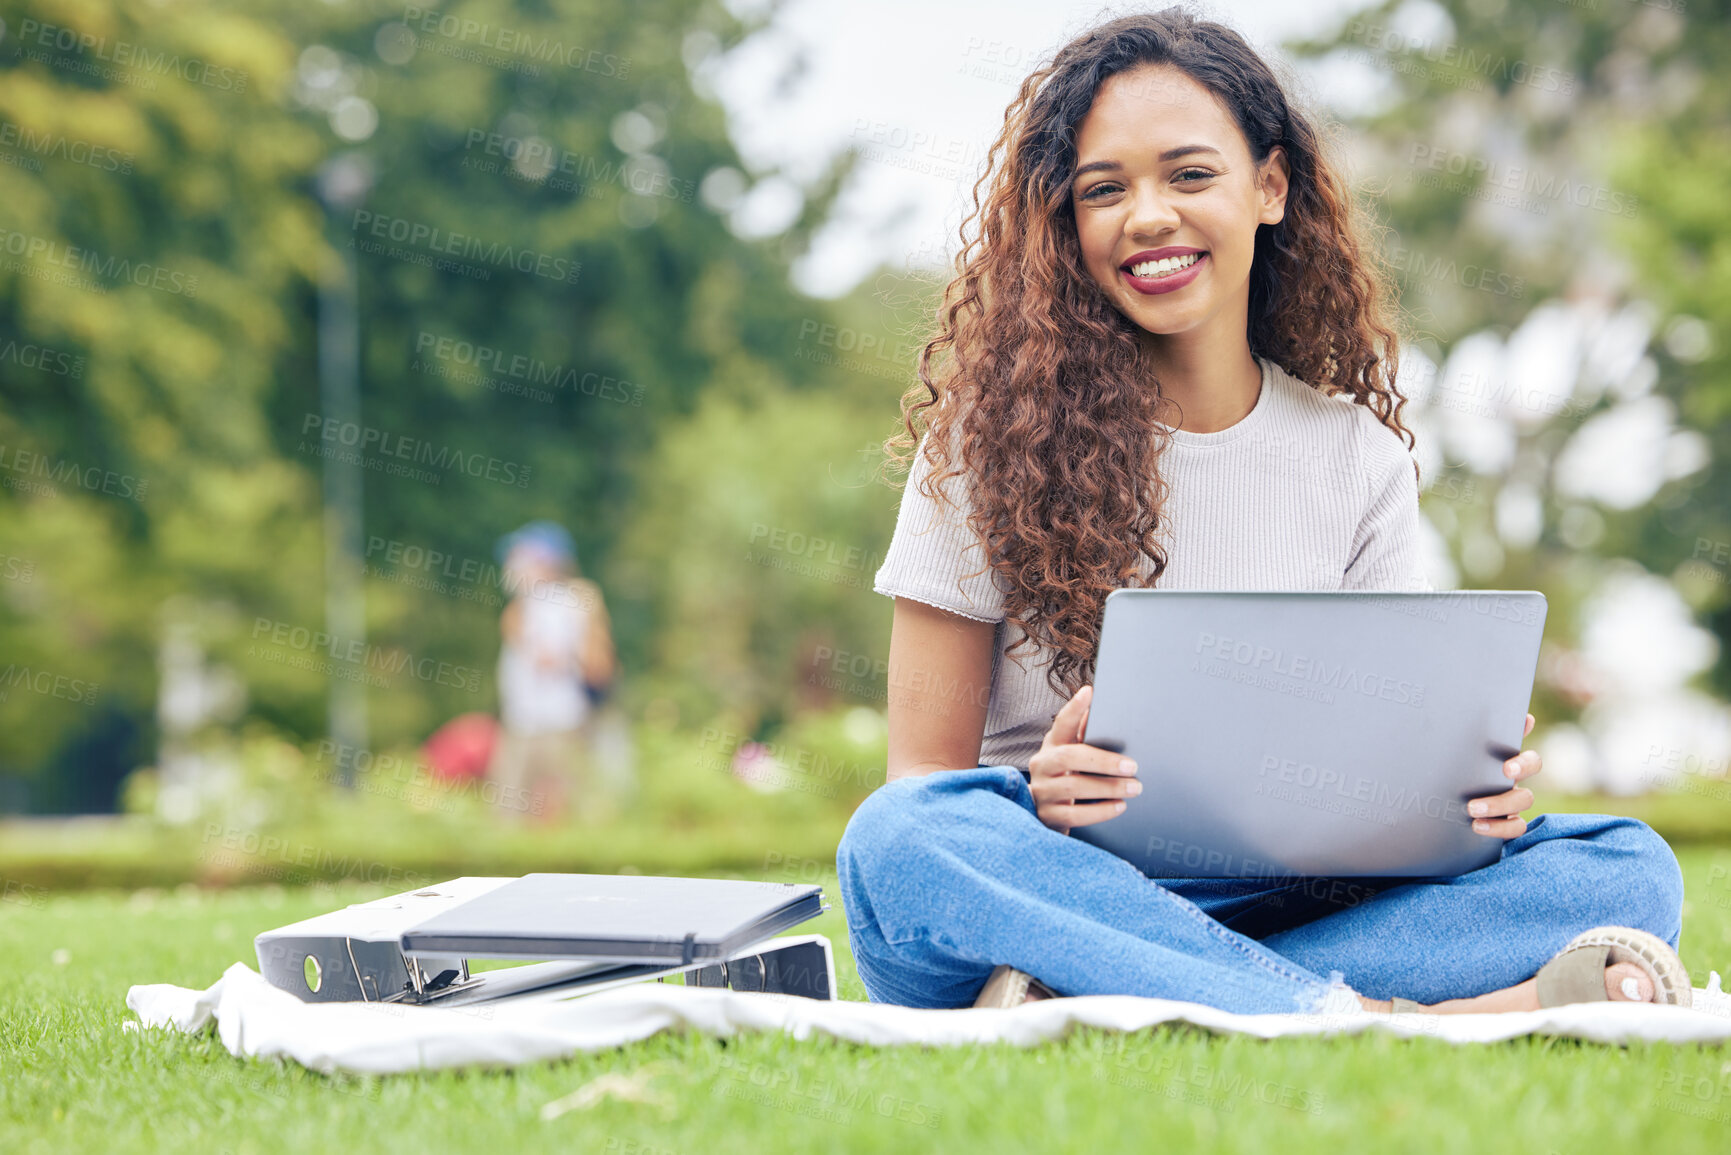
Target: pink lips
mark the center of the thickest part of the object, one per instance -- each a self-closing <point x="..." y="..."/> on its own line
<point x="1152" y="286"/>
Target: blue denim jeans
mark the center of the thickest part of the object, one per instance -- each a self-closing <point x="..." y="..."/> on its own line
<point x="946" y="876"/>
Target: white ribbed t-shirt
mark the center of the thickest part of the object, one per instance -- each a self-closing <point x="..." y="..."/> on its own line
<point x="1307" y="492"/>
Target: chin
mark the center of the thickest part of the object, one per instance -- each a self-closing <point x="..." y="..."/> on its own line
<point x="1161" y="322"/>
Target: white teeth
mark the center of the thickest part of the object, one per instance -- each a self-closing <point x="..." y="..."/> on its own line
<point x="1164" y="266"/>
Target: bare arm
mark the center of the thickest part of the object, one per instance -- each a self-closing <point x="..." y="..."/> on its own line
<point x="940" y="679"/>
<point x="596" y="657"/>
<point x="940" y="683"/>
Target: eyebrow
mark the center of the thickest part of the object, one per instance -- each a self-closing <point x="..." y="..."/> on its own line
<point x="1169" y="154"/>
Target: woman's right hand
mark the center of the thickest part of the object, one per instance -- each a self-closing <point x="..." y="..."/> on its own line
<point x="1075" y="784"/>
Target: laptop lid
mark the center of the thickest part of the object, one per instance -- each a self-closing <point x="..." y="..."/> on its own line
<point x="616" y="917"/>
<point x="1311" y="733"/>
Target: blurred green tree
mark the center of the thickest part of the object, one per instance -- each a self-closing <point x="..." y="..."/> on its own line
<point x="556" y="319"/>
<point x="1566" y="151"/>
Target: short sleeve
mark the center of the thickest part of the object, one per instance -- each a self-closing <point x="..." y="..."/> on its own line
<point x="935" y="557"/>
<point x="1385" y="548"/>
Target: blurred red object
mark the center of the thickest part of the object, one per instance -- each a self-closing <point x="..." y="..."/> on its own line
<point x="462" y="747"/>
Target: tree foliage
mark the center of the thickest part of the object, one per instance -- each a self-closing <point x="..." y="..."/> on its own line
<point x="549" y="302"/>
<point x="1569" y="152"/>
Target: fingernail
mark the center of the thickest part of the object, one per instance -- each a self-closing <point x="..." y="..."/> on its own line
<point x="1118" y="806"/>
<point x="1476" y="808"/>
<point x="1133" y="789"/>
<point x="1481" y="824"/>
<point x="1125" y="766"/>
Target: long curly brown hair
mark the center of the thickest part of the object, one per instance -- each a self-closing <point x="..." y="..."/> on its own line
<point x="1047" y="391"/>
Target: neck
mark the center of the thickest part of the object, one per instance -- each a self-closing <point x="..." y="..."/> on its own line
<point x="1206" y="385"/>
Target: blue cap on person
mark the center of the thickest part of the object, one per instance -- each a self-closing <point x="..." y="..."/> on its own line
<point x="545" y="537"/>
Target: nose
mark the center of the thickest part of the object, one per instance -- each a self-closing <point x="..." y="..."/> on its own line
<point x="1151" y="213"/>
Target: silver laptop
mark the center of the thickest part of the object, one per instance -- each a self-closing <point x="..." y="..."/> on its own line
<point x="615" y="917"/>
<point x="1287" y="735"/>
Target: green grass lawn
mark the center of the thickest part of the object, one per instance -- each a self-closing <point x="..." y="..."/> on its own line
<point x="71" y="1079"/>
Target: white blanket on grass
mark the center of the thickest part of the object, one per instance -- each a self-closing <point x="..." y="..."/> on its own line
<point x="256" y="1019"/>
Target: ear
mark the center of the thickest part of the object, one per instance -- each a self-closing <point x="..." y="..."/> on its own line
<point x="1272" y="180"/>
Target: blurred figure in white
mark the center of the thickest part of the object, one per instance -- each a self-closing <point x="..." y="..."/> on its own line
<point x="555" y="665"/>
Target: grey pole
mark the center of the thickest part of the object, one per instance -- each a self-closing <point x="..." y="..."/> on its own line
<point x="342" y="186"/>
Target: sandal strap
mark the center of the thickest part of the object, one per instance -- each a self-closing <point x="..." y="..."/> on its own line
<point x="1006" y="987"/>
<point x="1009" y="987"/>
<point x="1575" y="976"/>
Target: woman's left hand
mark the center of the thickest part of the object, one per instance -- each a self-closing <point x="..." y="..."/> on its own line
<point x="1499" y="815"/>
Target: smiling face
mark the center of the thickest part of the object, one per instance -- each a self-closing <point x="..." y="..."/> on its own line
<point x="1167" y="202"/>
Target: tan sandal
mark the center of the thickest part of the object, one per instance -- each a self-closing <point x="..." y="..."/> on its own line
<point x="1577" y="973"/>
<point x="1009" y="987"/>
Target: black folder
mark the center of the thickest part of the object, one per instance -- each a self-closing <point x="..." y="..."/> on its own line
<point x="619" y="918"/>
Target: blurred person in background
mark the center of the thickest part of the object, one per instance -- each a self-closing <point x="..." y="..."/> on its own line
<point x="556" y="665"/>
